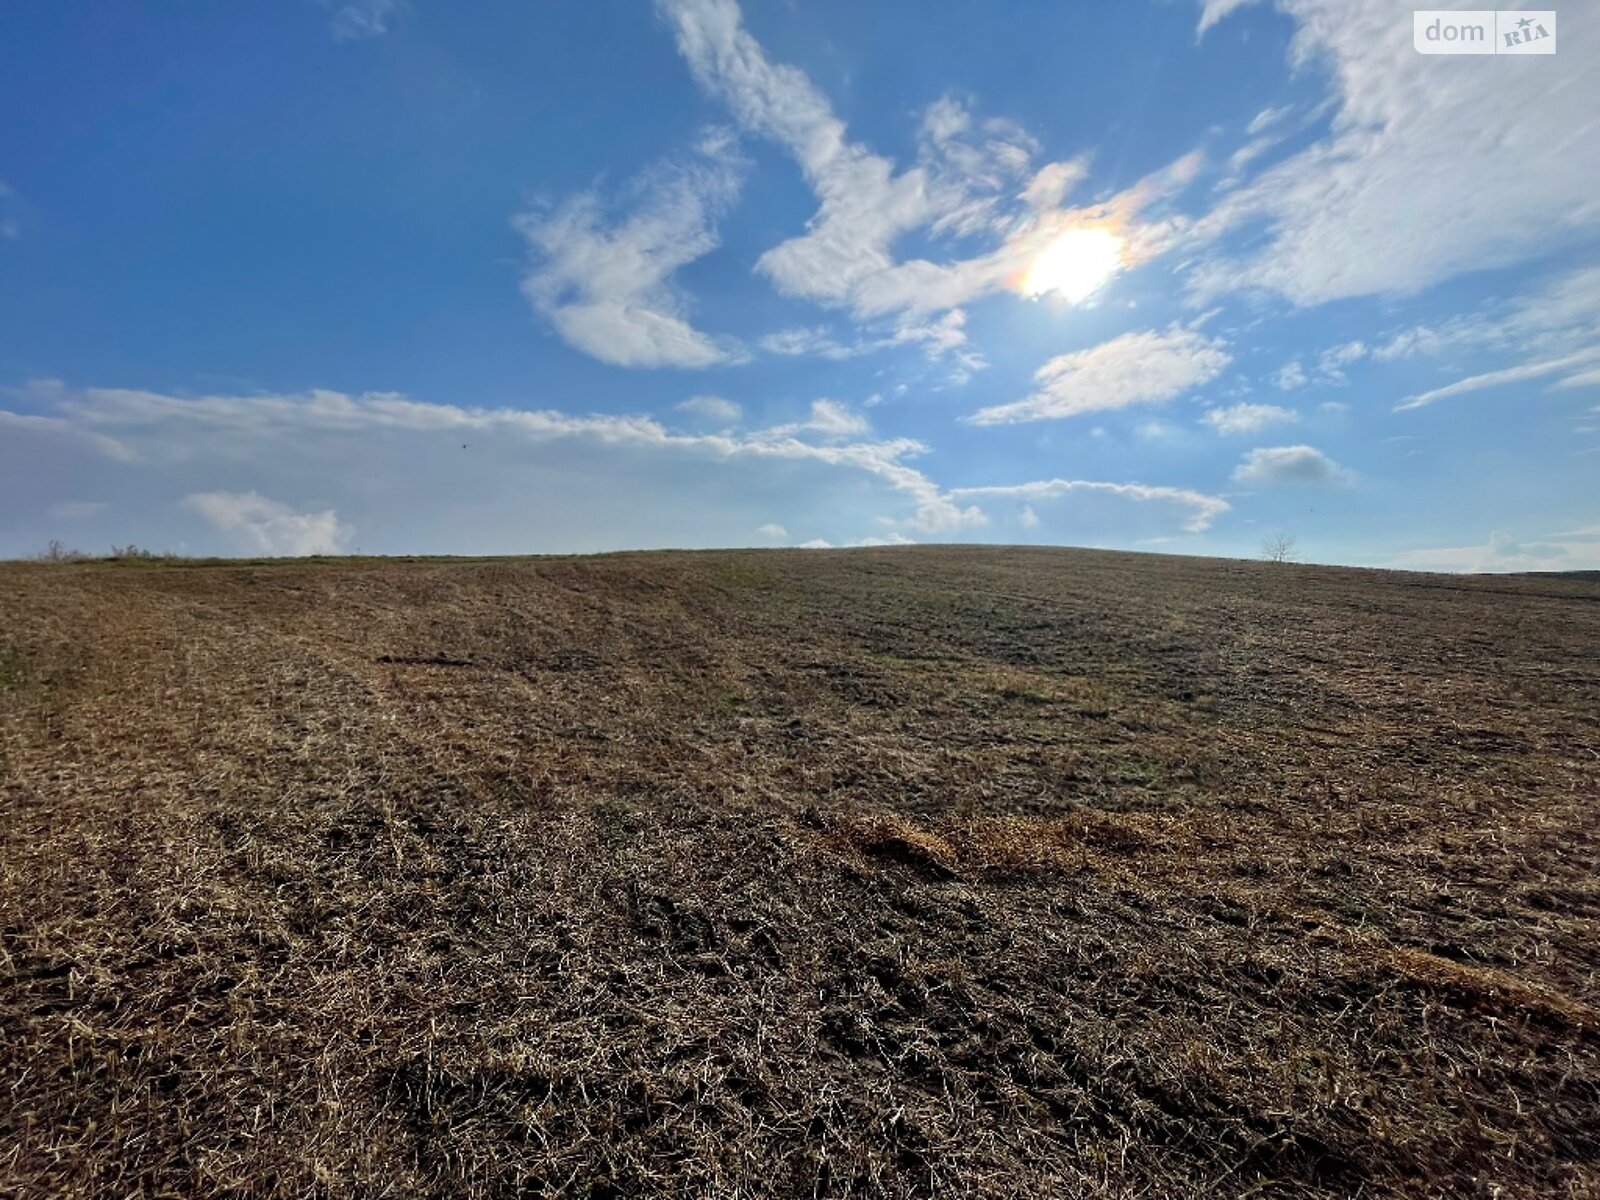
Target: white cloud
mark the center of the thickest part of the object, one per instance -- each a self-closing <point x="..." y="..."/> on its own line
<point x="794" y="343"/>
<point x="973" y="166"/>
<point x="1518" y="374"/>
<point x="157" y="428"/>
<point x="817" y="544"/>
<point x="1249" y="152"/>
<point x="269" y="527"/>
<point x="1027" y="518"/>
<point x="1408" y="342"/>
<point x="1557" y="316"/>
<point x="1213" y="11"/>
<point x="894" y="539"/>
<point x="1565" y="304"/>
<point x="971" y="178"/>
<point x="1553" y="328"/>
<point x="1502" y="552"/>
<point x="1332" y="361"/>
<point x="948" y="332"/>
<point x="713" y="409"/>
<point x="1585" y="378"/>
<point x="355" y="20"/>
<point x="1289" y="464"/>
<point x="828" y="418"/>
<point x="921" y="286"/>
<point x="1427" y="173"/>
<point x="1203" y="509"/>
<point x="57" y="426"/>
<point x="1135" y="368"/>
<point x="1292" y="375"/>
<point x="1342" y="355"/>
<point x="865" y="205"/>
<point x="833" y="419"/>
<point x="418" y="477"/>
<point x="1246" y="418"/>
<point x="1329" y="368"/>
<point x="937" y="337"/>
<point x="1052" y="182"/>
<point x="1266" y="119"/>
<point x="606" y="286"/>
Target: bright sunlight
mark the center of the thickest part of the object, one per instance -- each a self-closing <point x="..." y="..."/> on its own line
<point x="1075" y="265"/>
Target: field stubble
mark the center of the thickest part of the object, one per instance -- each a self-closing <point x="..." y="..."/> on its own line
<point x="882" y="873"/>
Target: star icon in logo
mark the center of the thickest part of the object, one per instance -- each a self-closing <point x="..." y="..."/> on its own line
<point x="1524" y="23"/>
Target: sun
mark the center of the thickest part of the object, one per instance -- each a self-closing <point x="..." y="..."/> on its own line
<point x="1076" y="265"/>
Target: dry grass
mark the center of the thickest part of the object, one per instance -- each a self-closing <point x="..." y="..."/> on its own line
<point x="883" y="873"/>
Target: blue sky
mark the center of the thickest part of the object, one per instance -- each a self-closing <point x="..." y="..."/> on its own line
<point x="399" y="276"/>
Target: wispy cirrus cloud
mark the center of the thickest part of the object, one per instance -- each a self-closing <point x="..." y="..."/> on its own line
<point x="1268" y="118"/>
<point x="815" y="341"/>
<point x="1556" y="316"/>
<point x="1212" y="11"/>
<point x="322" y="470"/>
<point x="357" y="20"/>
<point x="971" y="178"/>
<point x="604" y="279"/>
<point x="59" y="427"/>
<point x="937" y="337"/>
<point x="1203" y="509"/>
<point x="1577" y="369"/>
<point x="162" y="432"/>
<point x="1550" y="330"/>
<point x="865" y="202"/>
<point x="1400" y="195"/>
<point x="1327" y="369"/>
<point x="1588" y="377"/>
<point x="1136" y="368"/>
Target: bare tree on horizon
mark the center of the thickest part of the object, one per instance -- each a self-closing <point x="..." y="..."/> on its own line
<point x="1279" y="548"/>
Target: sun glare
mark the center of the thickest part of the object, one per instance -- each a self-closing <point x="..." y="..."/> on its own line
<point x="1076" y="265"/>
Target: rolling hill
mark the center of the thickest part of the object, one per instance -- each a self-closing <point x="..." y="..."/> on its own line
<point x="900" y="872"/>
